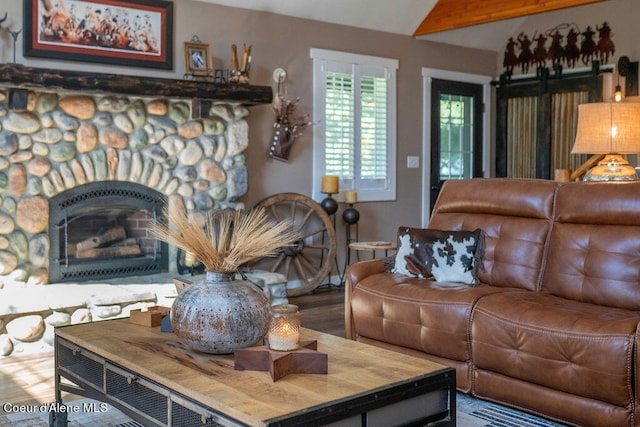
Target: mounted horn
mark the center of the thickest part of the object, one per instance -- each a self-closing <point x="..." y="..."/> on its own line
<point x="6" y="14"/>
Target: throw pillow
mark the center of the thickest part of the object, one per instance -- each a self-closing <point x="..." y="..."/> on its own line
<point x="446" y="256"/>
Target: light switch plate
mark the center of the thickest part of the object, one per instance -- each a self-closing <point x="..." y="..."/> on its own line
<point x="413" y="162"/>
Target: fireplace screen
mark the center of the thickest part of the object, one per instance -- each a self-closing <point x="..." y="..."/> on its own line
<point x="100" y="231"/>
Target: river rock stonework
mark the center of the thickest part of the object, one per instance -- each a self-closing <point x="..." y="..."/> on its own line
<point x="62" y="141"/>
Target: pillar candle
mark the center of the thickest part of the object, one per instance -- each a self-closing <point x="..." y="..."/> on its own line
<point x="351" y="197"/>
<point x="284" y="338"/>
<point x="189" y="259"/>
<point x="330" y="184"/>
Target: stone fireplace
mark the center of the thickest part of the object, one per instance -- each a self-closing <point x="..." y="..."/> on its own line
<point x="86" y="163"/>
<point x="62" y="143"/>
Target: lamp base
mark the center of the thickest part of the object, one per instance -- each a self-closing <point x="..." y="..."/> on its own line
<point x="613" y="167"/>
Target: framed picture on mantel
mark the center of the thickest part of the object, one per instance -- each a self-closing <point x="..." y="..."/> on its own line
<point x="197" y="58"/>
<point x="137" y="33"/>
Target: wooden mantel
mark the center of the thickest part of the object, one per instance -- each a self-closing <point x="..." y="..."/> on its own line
<point x="19" y="76"/>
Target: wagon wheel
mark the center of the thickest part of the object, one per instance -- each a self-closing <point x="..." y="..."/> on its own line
<point x="309" y="261"/>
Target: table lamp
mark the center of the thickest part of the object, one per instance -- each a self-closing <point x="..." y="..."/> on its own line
<point x="612" y="129"/>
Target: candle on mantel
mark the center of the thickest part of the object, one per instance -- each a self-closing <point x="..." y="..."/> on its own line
<point x="330" y="184"/>
<point x="189" y="259"/>
<point x="351" y="197"/>
<point x="284" y="328"/>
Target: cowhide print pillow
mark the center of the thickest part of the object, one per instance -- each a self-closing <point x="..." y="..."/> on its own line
<point x="445" y="256"/>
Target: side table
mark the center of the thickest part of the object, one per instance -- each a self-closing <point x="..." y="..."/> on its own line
<point x="370" y="246"/>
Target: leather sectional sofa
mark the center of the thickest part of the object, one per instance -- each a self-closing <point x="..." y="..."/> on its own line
<point x="553" y="326"/>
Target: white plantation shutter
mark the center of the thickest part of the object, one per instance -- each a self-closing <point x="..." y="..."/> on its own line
<point x="339" y="128"/>
<point x="354" y="104"/>
<point x="373" y="136"/>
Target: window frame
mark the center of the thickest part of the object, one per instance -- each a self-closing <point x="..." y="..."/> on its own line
<point x="389" y="66"/>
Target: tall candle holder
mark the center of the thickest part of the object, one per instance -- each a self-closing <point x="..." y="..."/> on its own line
<point x="330" y="206"/>
<point x="330" y="186"/>
<point x="350" y="216"/>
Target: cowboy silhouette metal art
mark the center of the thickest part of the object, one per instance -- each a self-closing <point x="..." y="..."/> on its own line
<point x="579" y="46"/>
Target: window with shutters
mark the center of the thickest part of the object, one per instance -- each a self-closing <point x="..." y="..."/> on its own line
<point x="355" y="108"/>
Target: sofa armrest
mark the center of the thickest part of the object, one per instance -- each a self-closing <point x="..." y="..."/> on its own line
<point x="354" y="274"/>
<point x="361" y="269"/>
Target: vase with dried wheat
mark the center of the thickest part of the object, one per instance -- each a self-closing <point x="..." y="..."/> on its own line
<point x="221" y="313"/>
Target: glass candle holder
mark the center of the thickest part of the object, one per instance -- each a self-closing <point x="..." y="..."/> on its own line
<point x="284" y="328"/>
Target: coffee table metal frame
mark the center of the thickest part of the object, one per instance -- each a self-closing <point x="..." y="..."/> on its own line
<point x="93" y="375"/>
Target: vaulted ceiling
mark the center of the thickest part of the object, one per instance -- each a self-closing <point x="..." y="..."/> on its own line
<point x="483" y="24"/>
<point x="454" y="14"/>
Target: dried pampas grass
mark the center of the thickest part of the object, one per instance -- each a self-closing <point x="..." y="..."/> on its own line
<point x="228" y="239"/>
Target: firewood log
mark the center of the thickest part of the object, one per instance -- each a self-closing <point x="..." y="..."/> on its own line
<point x="115" y="233"/>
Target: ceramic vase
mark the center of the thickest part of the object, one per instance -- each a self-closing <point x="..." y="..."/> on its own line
<point x="220" y="314"/>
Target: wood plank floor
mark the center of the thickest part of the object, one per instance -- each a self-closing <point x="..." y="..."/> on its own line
<point x="29" y="379"/>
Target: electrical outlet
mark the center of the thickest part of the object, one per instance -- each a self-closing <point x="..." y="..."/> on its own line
<point x="413" y="162"/>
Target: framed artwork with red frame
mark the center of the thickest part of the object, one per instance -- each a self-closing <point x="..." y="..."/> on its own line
<point x="137" y="33"/>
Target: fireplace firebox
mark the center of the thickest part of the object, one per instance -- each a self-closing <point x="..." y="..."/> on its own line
<point x="100" y="230"/>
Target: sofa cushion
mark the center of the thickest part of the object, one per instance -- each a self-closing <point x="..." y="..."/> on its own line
<point x="415" y="313"/>
<point x="574" y="347"/>
<point x="594" y="250"/>
<point x="447" y="256"/>
<point x="515" y="217"/>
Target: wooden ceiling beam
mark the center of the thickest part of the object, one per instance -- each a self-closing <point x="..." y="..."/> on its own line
<point x="453" y="14"/>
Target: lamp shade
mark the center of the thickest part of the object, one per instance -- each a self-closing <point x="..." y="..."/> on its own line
<point x="608" y="127"/>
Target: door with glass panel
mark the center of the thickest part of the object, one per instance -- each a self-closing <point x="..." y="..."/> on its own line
<point x="456" y="132"/>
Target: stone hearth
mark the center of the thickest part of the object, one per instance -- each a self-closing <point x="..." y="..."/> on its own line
<point x="61" y="141"/>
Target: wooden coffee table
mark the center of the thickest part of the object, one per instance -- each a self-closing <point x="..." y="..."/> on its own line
<point x="152" y="377"/>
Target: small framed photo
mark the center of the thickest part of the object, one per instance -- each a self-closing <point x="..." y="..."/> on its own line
<point x="197" y="58"/>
